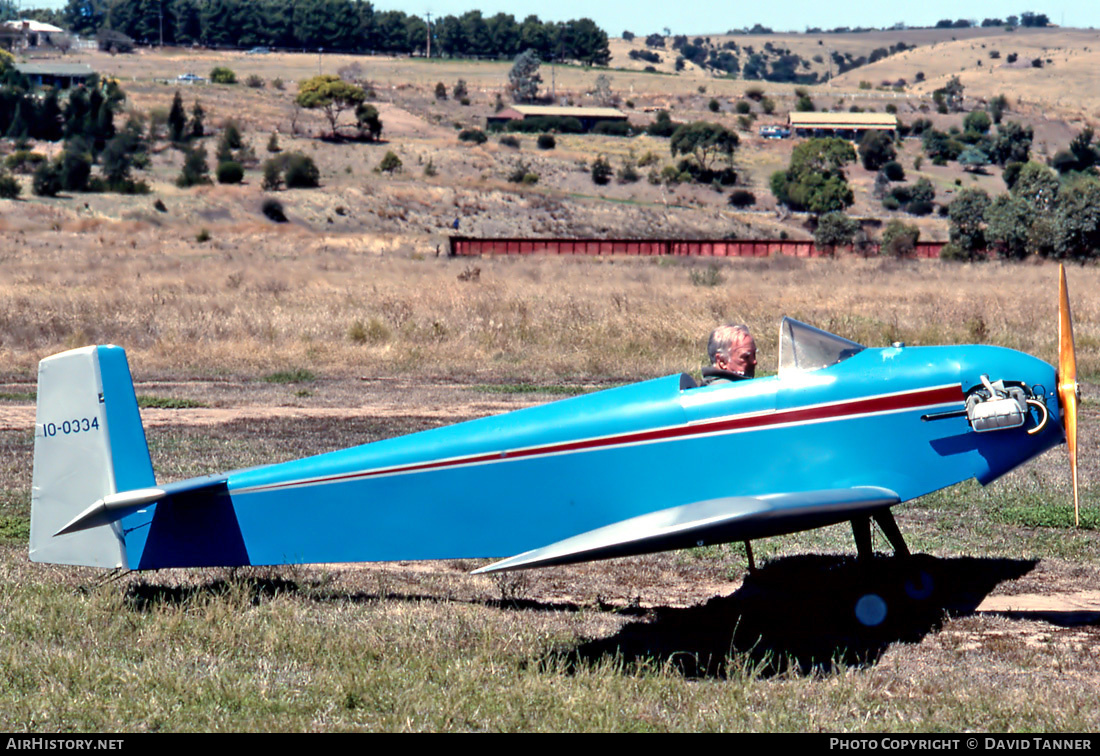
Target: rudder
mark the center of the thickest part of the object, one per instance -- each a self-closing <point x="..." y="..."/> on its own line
<point x="88" y="443"/>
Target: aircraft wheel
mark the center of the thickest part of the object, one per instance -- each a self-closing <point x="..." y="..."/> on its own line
<point x="871" y="610"/>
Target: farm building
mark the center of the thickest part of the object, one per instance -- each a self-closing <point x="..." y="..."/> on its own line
<point x="25" y="35"/>
<point x="588" y="117"/>
<point x="848" y="125"/>
<point x="58" y="75"/>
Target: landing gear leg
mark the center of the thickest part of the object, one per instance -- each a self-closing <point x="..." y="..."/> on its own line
<point x="885" y="520"/>
<point x="861" y="529"/>
<point x="748" y="553"/>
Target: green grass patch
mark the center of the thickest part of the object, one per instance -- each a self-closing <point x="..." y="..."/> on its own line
<point x="18" y="396"/>
<point x="168" y="402"/>
<point x="297" y="375"/>
<point x="15" y="529"/>
<point x="1040" y="515"/>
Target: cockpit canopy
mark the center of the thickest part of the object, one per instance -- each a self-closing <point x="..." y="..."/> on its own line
<point x="803" y="348"/>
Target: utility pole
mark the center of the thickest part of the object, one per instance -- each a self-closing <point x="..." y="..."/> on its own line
<point x="428" y="15"/>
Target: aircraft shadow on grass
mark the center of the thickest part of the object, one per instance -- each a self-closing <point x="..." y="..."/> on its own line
<point x="799" y="614"/>
<point x="793" y="614"/>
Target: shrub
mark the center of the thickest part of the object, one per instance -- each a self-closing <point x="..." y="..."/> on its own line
<point x="277" y="83"/>
<point x="899" y="239"/>
<point x="273" y="144"/>
<point x="301" y="172"/>
<point x="714" y="105"/>
<point x="273" y="210"/>
<point x="546" y="142"/>
<point x="390" y="163"/>
<point x="222" y="75"/>
<point x="477" y="136"/>
<point x="743" y="107"/>
<point x="768" y="105"/>
<point x="894" y="171"/>
<point x="202" y="236"/>
<point x="755" y="93"/>
<point x="612" y="128"/>
<point x="742" y="198"/>
<point x="460" y="92"/>
<point x="9" y="186"/>
<point x="47" y="180"/>
<point x="254" y="81"/>
<point x="195" y="170"/>
<point x="229" y="172"/>
<point x="440" y="91"/>
<point x="24" y="161"/>
<point x="159" y="206"/>
<point x="509" y="141"/>
<point x="601" y="171"/>
<point x="273" y="176"/>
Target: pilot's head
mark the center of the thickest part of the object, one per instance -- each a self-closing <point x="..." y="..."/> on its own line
<point x="732" y="348"/>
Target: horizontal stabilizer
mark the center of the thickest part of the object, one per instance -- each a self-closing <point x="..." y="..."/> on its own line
<point x="114" y="507"/>
<point x="734" y="518"/>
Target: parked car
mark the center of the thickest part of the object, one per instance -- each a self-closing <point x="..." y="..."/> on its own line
<point x="259" y="51"/>
<point x="189" y="78"/>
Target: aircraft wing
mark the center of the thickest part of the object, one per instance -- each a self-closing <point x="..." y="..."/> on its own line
<point x="734" y="518"/>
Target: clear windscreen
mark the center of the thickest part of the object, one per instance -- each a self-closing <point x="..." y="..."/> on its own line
<point x="803" y="347"/>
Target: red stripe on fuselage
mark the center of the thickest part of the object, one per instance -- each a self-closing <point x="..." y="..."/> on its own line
<point x="833" y="411"/>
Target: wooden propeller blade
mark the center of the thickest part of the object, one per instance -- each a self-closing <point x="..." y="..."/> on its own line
<point x="1067" y="381"/>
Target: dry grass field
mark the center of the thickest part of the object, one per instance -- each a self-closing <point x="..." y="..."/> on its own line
<point x="266" y="342"/>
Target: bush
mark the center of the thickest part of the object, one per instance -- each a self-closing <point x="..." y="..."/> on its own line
<point x="195" y="170"/>
<point x="273" y="176"/>
<point x="714" y="105"/>
<point x="601" y="171"/>
<point x="509" y="141"/>
<point x="273" y="209"/>
<point x="743" y="107"/>
<point x="24" y="161"/>
<point x="546" y="142"/>
<point x="894" y="171"/>
<point x="47" y="180"/>
<point x="390" y="163"/>
<point x="742" y="198"/>
<point x="440" y="91"/>
<point x="9" y="186"/>
<point x="301" y="172"/>
<point x="159" y="206"/>
<point x="254" y="81"/>
<point x="477" y="136"/>
<point x="899" y="239"/>
<point x="229" y="172"/>
<point x="222" y="75"/>
<point x="612" y="128"/>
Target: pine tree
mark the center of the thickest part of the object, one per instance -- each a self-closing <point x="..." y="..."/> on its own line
<point x="177" y="120"/>
<point x="198" y="115"/>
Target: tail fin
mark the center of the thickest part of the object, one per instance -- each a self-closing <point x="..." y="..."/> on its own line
<point x="88" y="443"/>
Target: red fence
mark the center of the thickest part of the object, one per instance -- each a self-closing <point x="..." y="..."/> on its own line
<point x="470" y="247"/>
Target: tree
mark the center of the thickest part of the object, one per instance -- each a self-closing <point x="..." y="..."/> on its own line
<point x="705" y="142"/>
<point x="601" y="171"/>
<point x="1084" y="152"/>
<point x="198" y="116"/>
<point x="835" y="229"/>
<point x="331" y="94"/>
<point x="1037" y="186"/>
<point x="1078" y="219"/>
<point x="366" y="118"/>
<point x="876" y="149"/>
<point x="273" y="176"/>
<point x="967" y="215"/>
<point x="76" y="165"/>
<point x="195" y="169"/>
<point x="524" y="79"/>
<point x="814" y="180"/>
<point x="973" y="160"/>
<point x="899" y="239"/>
<point x="47" y="180"/>
<point x="1008" y="222"/>
<point x="1012" y="143"/>
<point x="177" y="120"/>
<point x="977" y="121"/>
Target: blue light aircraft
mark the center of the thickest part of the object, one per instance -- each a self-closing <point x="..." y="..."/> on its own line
<point x="841" y="433"/>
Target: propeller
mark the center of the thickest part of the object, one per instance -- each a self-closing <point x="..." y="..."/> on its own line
<point x="1067" y="382"/>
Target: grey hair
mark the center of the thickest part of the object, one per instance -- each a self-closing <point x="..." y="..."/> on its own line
<point x="723" y="338"/>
